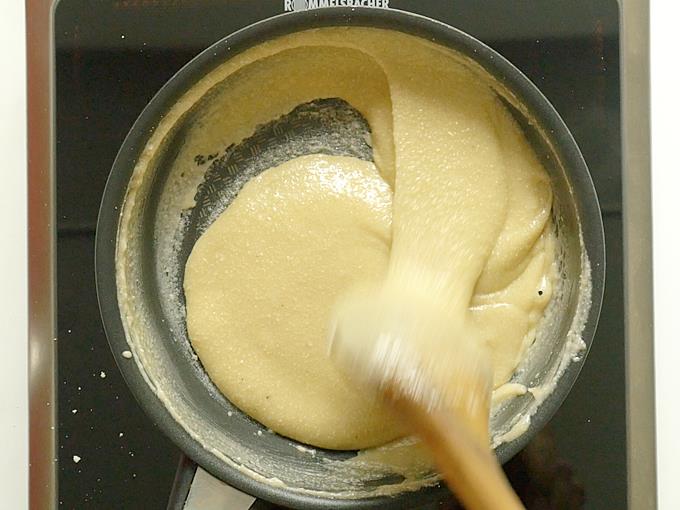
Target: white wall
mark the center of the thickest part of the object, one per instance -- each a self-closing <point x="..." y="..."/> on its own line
<point x="665" y="45"/>
<point x="13" y="299"/>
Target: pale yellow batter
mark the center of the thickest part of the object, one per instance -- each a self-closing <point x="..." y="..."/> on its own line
<point x="260" y="284"/>
<point x="458" y="199"/>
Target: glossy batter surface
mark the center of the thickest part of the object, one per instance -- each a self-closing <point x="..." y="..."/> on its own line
<point x="457" y="198"/>
<point x="260" y="284"/>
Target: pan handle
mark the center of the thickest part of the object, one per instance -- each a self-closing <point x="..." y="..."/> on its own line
<point x="196" y="489"/>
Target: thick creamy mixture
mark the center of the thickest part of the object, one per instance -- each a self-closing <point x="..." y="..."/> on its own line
<point x="456" y="197"/>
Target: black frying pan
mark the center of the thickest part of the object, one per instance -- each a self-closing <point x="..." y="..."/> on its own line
<point x="165" y="376"/>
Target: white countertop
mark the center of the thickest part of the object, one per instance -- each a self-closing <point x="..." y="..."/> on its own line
<point x="665" y="16"/>
<point x="13" y="298"/>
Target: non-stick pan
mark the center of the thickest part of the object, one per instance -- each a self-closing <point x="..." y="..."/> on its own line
<point x="142" y="303"/>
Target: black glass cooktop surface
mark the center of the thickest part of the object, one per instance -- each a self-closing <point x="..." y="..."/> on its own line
<point x="112" y="56"/>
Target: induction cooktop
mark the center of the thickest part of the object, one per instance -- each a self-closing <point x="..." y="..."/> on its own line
<point x="112" y="56"/>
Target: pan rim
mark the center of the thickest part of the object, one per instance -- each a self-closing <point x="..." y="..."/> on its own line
<point x="440" y="33"/>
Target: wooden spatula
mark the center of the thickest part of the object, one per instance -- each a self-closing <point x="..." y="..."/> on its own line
<point x="412" y="352"/>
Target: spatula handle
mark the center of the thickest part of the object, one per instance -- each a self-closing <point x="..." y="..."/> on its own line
<point x="470" y="470"/>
